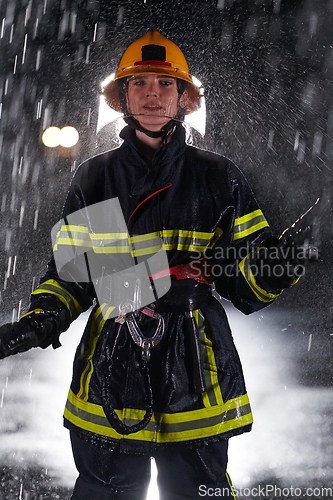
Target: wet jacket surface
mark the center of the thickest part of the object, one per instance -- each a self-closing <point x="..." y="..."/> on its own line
<point x="198" y="202"/>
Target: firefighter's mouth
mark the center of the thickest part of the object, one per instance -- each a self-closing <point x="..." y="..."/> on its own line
<point x="152" y="107"/>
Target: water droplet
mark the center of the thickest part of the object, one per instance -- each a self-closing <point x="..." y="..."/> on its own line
<point x="310" y="342"/>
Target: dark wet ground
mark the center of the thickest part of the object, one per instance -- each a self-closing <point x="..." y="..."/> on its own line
<point x="29" y="483"/>
<point x="288" y="368"/>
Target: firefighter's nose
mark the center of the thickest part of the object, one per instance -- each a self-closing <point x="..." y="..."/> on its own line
<point x="152" y="89"/>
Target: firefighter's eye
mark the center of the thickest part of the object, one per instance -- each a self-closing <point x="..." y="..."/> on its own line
<point x="166" y="83"/>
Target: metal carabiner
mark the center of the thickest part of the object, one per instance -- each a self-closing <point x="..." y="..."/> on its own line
<point x="146" y="343"/>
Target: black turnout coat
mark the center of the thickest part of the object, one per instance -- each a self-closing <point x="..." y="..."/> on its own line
<point x="199" y="204"/>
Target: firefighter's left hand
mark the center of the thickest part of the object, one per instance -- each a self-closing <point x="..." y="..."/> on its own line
<point x="26" y="334"/>
<point x="16" y="337"/>
<point x="278" y="264"/>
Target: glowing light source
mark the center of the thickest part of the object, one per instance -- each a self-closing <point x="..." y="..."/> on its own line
<point x="51" y="137"/>
<point x="68" y="137"/>
<point x="106" y="114"/>
<point x="107" y="80"/>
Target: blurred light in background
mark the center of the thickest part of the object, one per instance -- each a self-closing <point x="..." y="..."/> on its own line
<point x="107" y="115"/>
<point x="153" y="493"/>
<point x="50" y="137"/>
<point x="197" y="120"/>
<point x="66" y="137"/>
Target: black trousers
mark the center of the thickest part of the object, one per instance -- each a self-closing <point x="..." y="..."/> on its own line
<point x="182" y="474"/>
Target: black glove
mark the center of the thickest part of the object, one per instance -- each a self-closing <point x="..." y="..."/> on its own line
<point x="39" y="328"/>
<point x="281" y="261"/>
<point x="277" y="264"/>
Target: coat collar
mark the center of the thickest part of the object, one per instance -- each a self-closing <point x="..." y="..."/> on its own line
<point x="164" y="159"/>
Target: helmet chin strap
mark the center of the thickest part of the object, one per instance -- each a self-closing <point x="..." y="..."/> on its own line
<point x="164" y="133"/>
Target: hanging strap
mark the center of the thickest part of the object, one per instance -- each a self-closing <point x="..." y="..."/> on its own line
<point x="112" y="416"/>
<point x="146" y="344"/>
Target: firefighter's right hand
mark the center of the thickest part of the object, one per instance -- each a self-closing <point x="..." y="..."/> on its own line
<point x="26" y="334"/>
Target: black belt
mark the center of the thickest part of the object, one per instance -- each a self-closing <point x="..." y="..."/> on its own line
<point x="184" y="295"/>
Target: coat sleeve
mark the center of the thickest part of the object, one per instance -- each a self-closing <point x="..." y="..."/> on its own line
<point x="243" y="227"/>
<point x="73" y="293"/>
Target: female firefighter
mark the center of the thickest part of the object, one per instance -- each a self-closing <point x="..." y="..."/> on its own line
<point x="147" y="229"/>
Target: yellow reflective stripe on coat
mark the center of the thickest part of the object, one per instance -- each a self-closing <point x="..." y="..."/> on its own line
<point x="79" y="236"/>
<point x="186" y="240"/>
<point x="54" y="288"/>
<point x="138" y="245"/>
<point x="100" y="316"/>
<point x="259" y="292"/>
<point x="249" y="224"/>
<point x="212" y="396"/>
<point x="177" y="239"/>
<point x="163" y="427"/>
<point x="72" y="235"/>
<point x="218" y="233"/>
<point x="212" y="382"/>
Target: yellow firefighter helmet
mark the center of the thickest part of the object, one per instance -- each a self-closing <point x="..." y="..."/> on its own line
<point x="153" y="53"/>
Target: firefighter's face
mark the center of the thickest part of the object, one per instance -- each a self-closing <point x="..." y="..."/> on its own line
<point x="153" y="100"/>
